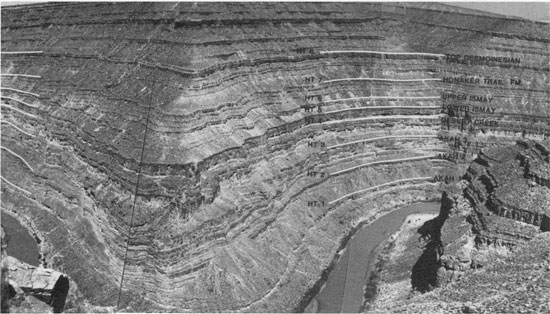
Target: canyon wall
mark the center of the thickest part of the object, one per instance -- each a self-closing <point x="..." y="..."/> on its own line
<point x="488" y="248"/>
<point x="504" y="204"/>
<point x="213" y="156"/>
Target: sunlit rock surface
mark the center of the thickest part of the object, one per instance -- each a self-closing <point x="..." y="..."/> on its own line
<point x="245" y="189"/>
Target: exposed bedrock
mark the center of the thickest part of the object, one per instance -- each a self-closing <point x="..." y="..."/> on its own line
<point x="257" y="149"/>
<point x="30" y="289"/>
<point x="47" y="285"/>
<point x="504" y="204"/>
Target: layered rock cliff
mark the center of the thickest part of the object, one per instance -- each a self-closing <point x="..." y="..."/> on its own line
<point x="213" y="156"/>
<point x="505" y="203"/>
<point x="490" y="241"/>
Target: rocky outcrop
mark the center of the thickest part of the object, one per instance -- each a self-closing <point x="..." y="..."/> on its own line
<point x="488" y="241"/>
<point x="501" y="206"/>
<point x="514" y="283"/>
<point x="507" y="182"/>
<point x="23" y="285"/>
<point x="47" y="285"/>
<point x="219" y="153"/>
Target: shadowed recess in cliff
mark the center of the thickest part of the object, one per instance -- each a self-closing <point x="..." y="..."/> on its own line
<point x="424" y="271"/>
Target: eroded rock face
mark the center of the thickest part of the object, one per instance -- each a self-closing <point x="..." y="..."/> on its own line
<point x="510" y="183"/>
<point x="245" y="189"/>
<point x="47" y="285"/>
<point x="478" y="253"/>
<point x="501" y="207"/>
<point x="504" y="204"/>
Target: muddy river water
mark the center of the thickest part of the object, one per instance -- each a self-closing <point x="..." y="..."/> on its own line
<point x="343" y="290"/>
<point x="21" y="243"/>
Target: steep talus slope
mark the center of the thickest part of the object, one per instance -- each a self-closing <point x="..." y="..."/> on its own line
<point x="256" y="149"/>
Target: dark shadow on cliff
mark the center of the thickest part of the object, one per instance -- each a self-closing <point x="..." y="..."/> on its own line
<point x="424" y="271"/>
<point x="8" y="291"/>
<point x="59" y="294"/>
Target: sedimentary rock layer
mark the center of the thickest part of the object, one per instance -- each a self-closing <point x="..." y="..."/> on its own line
<point x="235" y="145"/>
<point x="503" y="204"/>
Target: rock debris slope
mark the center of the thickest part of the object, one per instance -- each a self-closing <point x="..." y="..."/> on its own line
<point x="250" y="138"/>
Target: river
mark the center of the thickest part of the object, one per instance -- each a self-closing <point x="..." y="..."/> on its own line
<point x="343" y="290"/>
<point x="21" y="244"/>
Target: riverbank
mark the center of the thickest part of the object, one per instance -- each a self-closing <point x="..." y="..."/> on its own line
<point x="343" y="289"/>
<point x="390" y="280"/>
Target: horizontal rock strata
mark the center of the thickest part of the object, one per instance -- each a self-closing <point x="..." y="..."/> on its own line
<point x="501" y="206"/>
<point x="234" y="146"/>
